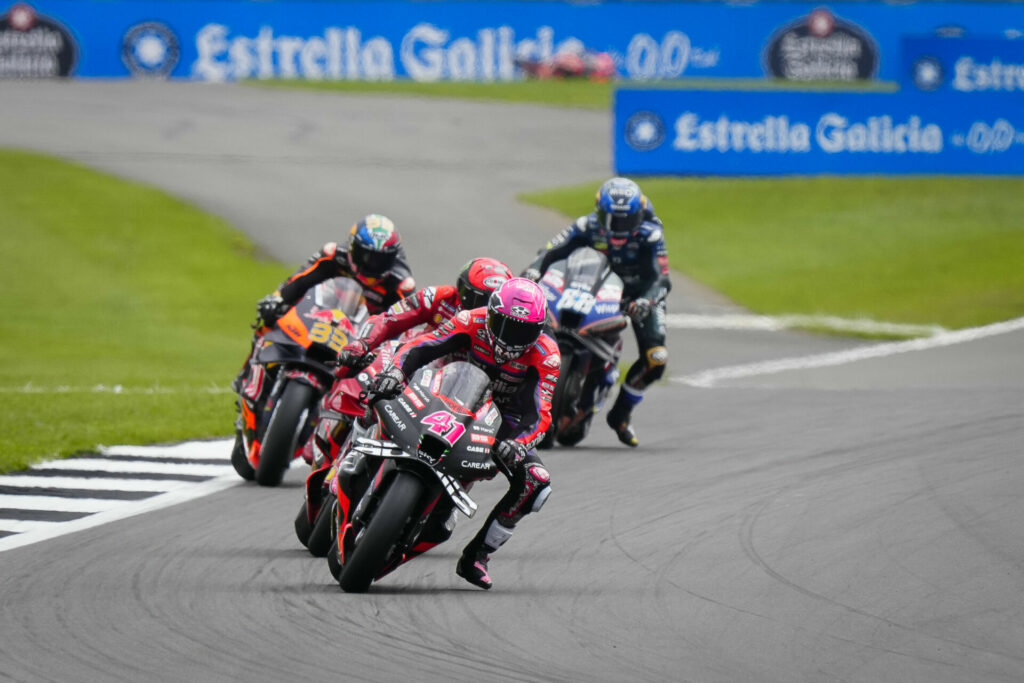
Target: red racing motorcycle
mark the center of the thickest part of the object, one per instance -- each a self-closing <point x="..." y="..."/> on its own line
<point x="399" y="485"/>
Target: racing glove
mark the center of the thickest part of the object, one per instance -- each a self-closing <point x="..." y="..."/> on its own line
<point x="639" y="309"/>
<point x="352" y="355"/>
<point x="509" y="453"/>
<point x="388" y="383"/>
<point x="532" y="274"/>
<point x="270" y="308"/>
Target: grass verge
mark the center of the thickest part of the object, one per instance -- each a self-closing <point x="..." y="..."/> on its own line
<point x="938" y="250"/>
<point x="106" y="284"/>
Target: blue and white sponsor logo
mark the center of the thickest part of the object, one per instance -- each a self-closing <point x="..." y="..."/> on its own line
<point x="645" y="131"/>
<point x="150" y="50"/>
<point x="928" y="73"/>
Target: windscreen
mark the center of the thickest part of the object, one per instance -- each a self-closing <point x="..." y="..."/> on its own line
<point x="341" y="293"/>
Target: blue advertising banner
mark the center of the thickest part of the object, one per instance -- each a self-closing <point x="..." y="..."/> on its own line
<point x="451" y="40"/>
<point x="703" y="132"/>
<point x="964" y="64"/>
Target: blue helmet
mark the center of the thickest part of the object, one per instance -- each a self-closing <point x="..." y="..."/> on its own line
<point x="620" y="205"/>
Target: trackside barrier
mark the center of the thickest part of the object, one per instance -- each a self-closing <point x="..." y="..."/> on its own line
<point x="771" y="133"/>
<point x="221" y="40"/>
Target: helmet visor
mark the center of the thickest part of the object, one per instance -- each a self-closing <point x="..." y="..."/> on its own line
<point x="471" y="297"/>
<point x="622" y="222"/>
<point x="515" y="334"/>
<point x="372" y="263"/>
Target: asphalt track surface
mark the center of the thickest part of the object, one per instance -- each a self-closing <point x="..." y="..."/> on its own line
<point x="854" y="523"/>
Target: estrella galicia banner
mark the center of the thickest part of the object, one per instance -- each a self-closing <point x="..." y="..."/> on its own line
<point x="33" y="45"/>
<point x="698" y="132"/>
<point x="963" y="64"/>
<point x="221" y="40"/>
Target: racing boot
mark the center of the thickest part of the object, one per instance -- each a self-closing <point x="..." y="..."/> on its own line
<point x="618" y="416"/>
<point x="472" y="565"/>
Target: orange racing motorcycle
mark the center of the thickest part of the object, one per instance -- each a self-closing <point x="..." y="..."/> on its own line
<point x="290" y="368"/>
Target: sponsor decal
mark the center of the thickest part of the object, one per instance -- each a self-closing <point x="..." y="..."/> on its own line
<point x="394" y="416"/>
<point x="150" y="50"/>
<point x="491" y="417"/>
<point x="972" y="76"/>
<point x="519" y="312"/>
<point x="477" y="449"/>
<point x="481" y="438"/>
<point x="928" y="73"/>
<point x="821" y="47"/>
<point x="477" y="465"/>
<point x="833" y="133"/>
<point x="553" y="362"/>
<point x="34" y="46"/>
<point x="414" y="398"/>
<point x="645" y="131"/>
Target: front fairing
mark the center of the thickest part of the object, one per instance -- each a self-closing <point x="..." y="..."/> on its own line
<point x="445" y="416"/>
<point x="584" y="300"/>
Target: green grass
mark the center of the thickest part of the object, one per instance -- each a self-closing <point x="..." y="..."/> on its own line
<point x="111" y="283"/>
<point x="943" y="250"/>
<point x="579" y="94"/>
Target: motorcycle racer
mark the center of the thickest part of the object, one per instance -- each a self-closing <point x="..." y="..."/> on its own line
<point x="430" y="306"/>
<point x="373" y="257"/>
<point x="506" y="340"/>
<point x="625" y="228"/>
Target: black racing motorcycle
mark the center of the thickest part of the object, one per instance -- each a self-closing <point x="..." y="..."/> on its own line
<point x="398" y="486"/>
<point x="585" y="317"/>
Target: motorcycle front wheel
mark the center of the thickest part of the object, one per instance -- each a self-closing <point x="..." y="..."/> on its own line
<point x="376" y="542"/>
<point x="280" y="441"/>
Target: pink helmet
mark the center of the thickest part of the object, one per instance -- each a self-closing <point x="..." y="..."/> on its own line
<point x="515" y="318"/>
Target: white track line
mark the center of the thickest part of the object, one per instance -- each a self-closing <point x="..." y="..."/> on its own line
<point x="93" y="483"/>
<point x="192" y="450"/>
<point x="136" y="467"/>
<point x="709" y="378"/>
<point x="127" y="509"/>
<point x="21" y="526"/>
<point x="768" y="323"/>
<point x="57" y="503"/>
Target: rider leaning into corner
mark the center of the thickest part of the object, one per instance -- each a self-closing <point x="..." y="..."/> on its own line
<point x="431" y="307"/>
<point x="624" y="228"/>
<point x="373" y="257"/>
<point x="506" y="340"/>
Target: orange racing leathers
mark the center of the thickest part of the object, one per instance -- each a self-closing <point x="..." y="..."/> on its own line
<point x="333" y="261"/>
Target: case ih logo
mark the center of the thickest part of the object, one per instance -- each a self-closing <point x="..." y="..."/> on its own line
<point x="820" y="47"/>
<point x="34" y="46"/>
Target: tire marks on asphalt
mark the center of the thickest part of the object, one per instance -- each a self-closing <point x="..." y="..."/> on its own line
<point x="62" y="496"/>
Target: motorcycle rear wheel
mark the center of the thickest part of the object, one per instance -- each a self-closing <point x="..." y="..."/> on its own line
<point x="376" y="542"/>
<point x="279" y="442"/>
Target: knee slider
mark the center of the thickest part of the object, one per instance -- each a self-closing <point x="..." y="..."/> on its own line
<point x="657" y="356"/>
<point x="539" y="480"/>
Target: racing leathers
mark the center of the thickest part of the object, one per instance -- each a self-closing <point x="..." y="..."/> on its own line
<point x="641" y="260"/>
<point x="430" y="306"/>
<point x="522" y="389"/>
<point x="333" y="261"/>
